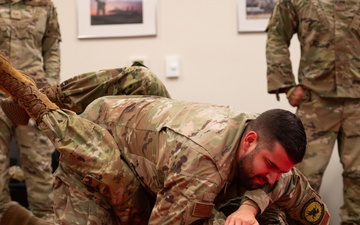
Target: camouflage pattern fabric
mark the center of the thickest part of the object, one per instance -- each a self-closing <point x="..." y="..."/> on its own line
<point x="91" y="201"/>
<point x="30" y="37"/>
<point x="328" y="32"/>
<point x="329" y="54"/>
<point x="79" y="91"/>
<point x="278" y="203"/>
<point x="123" y="143"/>
<point x="31" y="27"/>
<point x="323" y="132"/>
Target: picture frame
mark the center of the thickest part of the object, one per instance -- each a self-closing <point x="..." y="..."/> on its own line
<point x="253" y="16"/>
<point x="117" y="18"/>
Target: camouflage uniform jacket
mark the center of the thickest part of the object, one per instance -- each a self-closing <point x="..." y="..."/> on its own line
<point x="30" y="37"/>
<point x="184" y="153"/>
<point x="328" y="32"/>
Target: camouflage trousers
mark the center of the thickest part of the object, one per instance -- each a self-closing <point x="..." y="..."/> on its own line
<point x="89" y="156"/>
<point x="81" y="90"/>
<point x="327" y="121"/>
<point x="93" y="184"/>
<point x="35" y="156"/>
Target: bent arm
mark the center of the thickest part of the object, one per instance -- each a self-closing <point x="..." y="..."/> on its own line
<point x="294" y="195"/>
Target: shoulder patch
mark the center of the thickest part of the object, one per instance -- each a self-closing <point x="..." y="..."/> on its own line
<point x="202" y="209"/>
<point x="313" y="211"/>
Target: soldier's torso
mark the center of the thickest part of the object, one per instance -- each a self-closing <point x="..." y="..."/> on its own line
<point x="329" y="35"/>
<point x="328" y="32"/>
<point x="23" y="25"/>
<point x="160" y="137"/>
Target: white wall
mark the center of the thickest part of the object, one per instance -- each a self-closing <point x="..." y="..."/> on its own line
<point x="218" y="64"/>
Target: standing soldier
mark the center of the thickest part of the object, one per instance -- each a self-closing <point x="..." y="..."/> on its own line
<point x="327" y="94"/>
<point x="30" y="36"/>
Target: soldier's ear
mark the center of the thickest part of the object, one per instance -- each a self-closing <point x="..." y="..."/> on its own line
<point x="250" y="140"/>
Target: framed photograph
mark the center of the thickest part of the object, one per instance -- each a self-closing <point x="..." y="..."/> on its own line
<point x="116" y="18"/>
<point x="253" y="15"/>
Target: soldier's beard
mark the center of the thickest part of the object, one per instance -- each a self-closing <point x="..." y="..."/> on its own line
<point x="245" y="172"/>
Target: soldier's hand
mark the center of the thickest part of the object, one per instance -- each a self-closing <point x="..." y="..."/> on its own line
<point x="295" y="96"/>
<point x="245" y="215"/>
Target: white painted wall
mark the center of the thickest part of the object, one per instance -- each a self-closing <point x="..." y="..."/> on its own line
<point x="218" y="64"/>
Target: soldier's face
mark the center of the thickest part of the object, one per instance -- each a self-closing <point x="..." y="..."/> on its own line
<point x="261" y="166"/>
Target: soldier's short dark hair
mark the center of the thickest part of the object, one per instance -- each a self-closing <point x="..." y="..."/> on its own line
<point x="282" y="126"/>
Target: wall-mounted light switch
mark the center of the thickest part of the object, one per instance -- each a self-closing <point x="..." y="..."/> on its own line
<point x="172" y="66"/>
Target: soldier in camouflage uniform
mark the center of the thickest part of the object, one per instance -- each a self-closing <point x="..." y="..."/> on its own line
<point x="30" y="36"/>
<point x="153" y="160"/>
<point x="327" y="95"/>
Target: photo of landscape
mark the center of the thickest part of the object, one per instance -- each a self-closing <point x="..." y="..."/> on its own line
<point x="107" y="12"/>
<point x="259" y="9"/>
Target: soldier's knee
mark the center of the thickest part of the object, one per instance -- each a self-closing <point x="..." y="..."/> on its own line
<point x="152" y="84"/>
